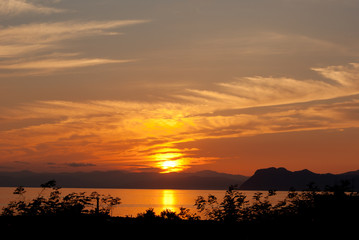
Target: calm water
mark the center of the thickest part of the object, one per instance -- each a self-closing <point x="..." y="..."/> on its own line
<point x="134" y="201"/>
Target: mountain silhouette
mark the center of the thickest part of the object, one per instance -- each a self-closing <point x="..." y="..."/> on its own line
<point x="124" y="179"/>
<point x="281" y="179"/>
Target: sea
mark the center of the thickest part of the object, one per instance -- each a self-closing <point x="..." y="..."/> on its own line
<point x="135" y="201"/>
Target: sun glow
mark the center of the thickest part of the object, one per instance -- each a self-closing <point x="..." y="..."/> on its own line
<point x="169" y="161"/>
<point x="171" y="166"/>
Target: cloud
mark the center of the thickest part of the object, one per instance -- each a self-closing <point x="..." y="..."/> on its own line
<point x="12" y="50"/>
<point x="21" y="162"/>
<point x="266" y="91"/>
<point x="259" y="43"/>
<point x="17" y="7"/>
<point x="53" y="32"/>
<point x="126" y="133"/>
<point x="34" y="36"/>
<point x="61" y="63"/>
<point x="345" y="76"/>
<point x="80" y="164"/>
<point x="115" y="133"/>
<point x="27" y="46"/>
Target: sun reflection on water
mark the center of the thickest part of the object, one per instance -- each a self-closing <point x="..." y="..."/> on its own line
<point x="169" y="200"/>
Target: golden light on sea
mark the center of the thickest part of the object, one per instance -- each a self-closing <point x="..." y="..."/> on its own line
<point x="169" y="200"/>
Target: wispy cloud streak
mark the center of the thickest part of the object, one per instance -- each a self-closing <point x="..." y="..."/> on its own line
<point x="62" y="63"/>
<point x="267" y="91"/>
<point x="47" y="33"/>
<point x="17" y="43"/>
<point x="17" y="7"/>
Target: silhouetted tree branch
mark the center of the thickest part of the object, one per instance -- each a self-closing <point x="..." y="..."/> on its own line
<point x="55" y="205"/>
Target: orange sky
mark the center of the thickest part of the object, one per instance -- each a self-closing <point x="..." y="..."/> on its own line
<point x="230" y="86"/>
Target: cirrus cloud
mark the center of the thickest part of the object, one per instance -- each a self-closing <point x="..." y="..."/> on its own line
<point x="16" y="7"/>
<point x="266" y="91"/>
<point x="62" y="63"/>
<point x="18" y="43"/>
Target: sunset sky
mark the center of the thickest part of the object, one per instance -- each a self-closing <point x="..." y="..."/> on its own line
<point x="179" y="85"/>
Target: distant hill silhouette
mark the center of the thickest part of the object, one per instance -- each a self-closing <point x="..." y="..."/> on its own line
<point x="263" y="179"/>
<point x="281" y="179"/>
<point x="124" y="179"/>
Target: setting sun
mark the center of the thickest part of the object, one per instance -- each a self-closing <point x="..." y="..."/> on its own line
<point x="169" y="161"/>
<point x="171" y="166"/>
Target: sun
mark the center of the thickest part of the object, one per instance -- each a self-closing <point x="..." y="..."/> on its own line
<point x="169" y="162"/>
<point x="170" y="166"/>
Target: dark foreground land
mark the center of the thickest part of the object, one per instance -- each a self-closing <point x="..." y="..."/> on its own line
<point x="332" y="213"/>
<point x="133" y="228"/>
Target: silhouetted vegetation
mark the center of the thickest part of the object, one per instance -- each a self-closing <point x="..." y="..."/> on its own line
<point x="168" y="215"/>
<point x="53" y="204"/>
<point x="331" y="205"/>
<point x="310" y="209"/>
